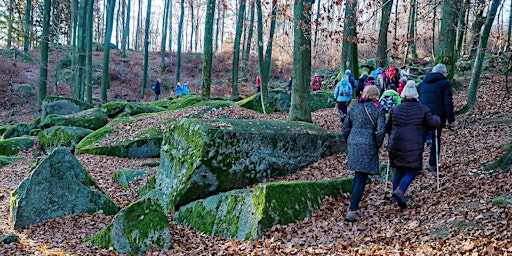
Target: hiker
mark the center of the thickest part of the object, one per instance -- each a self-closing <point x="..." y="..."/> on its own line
<point x="392" y="76"/>
<point x="316" y="82"/>
<point x="156" y="88"/>
<point x="436" y="93"/>
<point x="343" y="96"/>
<point x="258" y="84"/>
<point x="389" y="98"/>
<point x="363" y="131"/>
<point x="405" y="125"/>
<point x="401" y="84"/>
<point x="360" y="84"/>
<point x="290" y="82"/>
<point x="351" y="78"/>
<point x="179" y="89"/>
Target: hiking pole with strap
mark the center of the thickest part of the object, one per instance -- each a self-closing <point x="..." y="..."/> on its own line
<point x="386" y="184"/>
<point x="437" y="158"/>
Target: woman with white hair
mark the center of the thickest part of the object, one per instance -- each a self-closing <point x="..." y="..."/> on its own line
<point x="405" y="126"/>
<point x="363" y="130"/>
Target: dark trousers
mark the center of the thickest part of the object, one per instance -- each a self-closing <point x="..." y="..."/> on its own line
<point x="403" y="178"/>
<point x="342" y="109"/>
<point x="436" y="145"/>
<point x="358" y="184"/>
<point x="156" y="96"/>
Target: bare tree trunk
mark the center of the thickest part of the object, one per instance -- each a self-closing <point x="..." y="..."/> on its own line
<point x="478" y="22"/>
<point x="191" y="25"/>
<point x="349" y="45"/>
<point x="164" y="34"/>
<point x="382" y="47"/>
<point x="411" y="32"/>
<point x="507" y="46"/>
<point x="137" y="30"/>
<point x="180" y="33"/>
<point x="146" y="50"/>
<point x="28" y="25"/>
<point x="446" y="51"/>
<point x="206" y="81"/>
<point x="105" y="75"/>
<point x="461" y="28"/>
<point x="43" y="64"/>
<point x="236" y="52"/>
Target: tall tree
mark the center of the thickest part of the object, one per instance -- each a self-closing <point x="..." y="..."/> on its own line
<point x="88" y="47"/>
<point x="250" y="26"/>
<point x="317" y="24"/>
<point x="446" y="51"/>
<point x="146" y="50"/>
<point x="264" y="60"/>
<point x="169" y="13"/>
<point x="382" y="47"/>
<point x="461" y="28"/>
<point x="43" y="64"/>
<point x="509" y="33"/>
<point x="105" y="76"/>
<point x="476" y="26"/>
<point x="482" y="46"/>
<point x="236" y="51"/>
<point x="179" y="42"/>
<point x="349" y="45"/>
<point x="10" y="10"/>
<point x="206" y="81"/>
<point x="191" y="24"/>
<point x="411" y="32"/>
<point x="137" y="29"/>
<point x="300" y="108"/>
<point x="78" y="91"/>
<point x="28" y="25"/>
<point x="164" y="33"/>
<point x="126" y="31"/>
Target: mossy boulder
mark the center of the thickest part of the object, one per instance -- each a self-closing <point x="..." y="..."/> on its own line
<point x="126" y="108"/>
<point x="504" y="162"/>
<point x="5" y="160"/>
<point x="19" y="130"/>
<point x="144" y="141"/>
<point x="59" y="185"/>
<point x="4" y="128"/>
<point x="125" y="177"/>
<point x="279" y="100"/>
<point x="62" y="106"/>
<point x="92" y="119"/>
<point x="247" y="214"/>
<point x="138" y="228"/>
<point x="204" y="157"/>
<point x="501" y="201"/>
<point x="13" y="146"/>
<point x="64" y="136"/>
<point x="174" y="103"/>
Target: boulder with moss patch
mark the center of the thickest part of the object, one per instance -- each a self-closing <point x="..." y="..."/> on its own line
<point x="127" y="108"/>
<point x="247" y="214"/>
<point x="61" y="136"/>
<point x="174" y="103"/>
<point x="125" y="177"/>
<point x="20" y="130"/>
<point x="62" y="106"/>
<point x="92" y="119"/>
<point x="279" y="100"/>
<point x="136" y="229"/>
<point x="13" y="146"/>
<point x="204" y="157"/>
<point x="59" y="185"/>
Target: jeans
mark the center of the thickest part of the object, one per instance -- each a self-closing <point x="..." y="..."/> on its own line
<point x="403" y="178"/>
<point x="156" y="97"/>
<point x="435" y="142"/>
<point x="358" y="184"/>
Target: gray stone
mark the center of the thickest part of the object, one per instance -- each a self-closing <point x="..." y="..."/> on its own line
<point x="247" y="214"/>
<point x="279" y="100"/>
<point x="89" y="119"/>
<point x="138" y="228"/>
<point x="62" y="106"/>
<point x="61" y="136"/>
<point x="13" y="146"/>
<point x="204" y="157"/>
<point x="125" y="177"/>
<point x="126" y="108"/>
<point x="59" y="185"/>
<point x="24" y="94"/>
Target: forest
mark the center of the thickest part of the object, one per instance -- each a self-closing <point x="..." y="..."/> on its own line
<point x="101" y="52"/>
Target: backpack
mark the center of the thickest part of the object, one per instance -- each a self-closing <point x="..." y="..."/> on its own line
<point x="376" y="75"/>
<point x="387" y="102"/>
<point x="391" y="75"/>
<point x="154" y="86"/>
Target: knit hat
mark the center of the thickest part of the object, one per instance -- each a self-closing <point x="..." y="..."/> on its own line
<point x="348" y="72"/>
<point x="410" y="91"/>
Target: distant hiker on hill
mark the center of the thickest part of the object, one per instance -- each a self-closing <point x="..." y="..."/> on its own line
<point x="179" y="89"/>
<point x="258" y="84"/>
<point x="316" y="82"/>
<point x="290" y="82"/>
<point x="184" y="88"/>
<point x="156" y="88"/>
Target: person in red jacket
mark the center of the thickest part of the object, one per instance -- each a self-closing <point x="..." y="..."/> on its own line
<point x="258" y="84"/>
<point x="316" y="83"/>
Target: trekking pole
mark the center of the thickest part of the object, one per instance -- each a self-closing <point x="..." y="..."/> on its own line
<point x="437" y="158"/>
<point x="386" y="184"/>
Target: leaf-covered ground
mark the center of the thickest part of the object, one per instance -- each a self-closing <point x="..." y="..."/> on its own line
<point x="457" y="219"/>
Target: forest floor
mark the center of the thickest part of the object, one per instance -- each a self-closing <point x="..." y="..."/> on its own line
<point x="457" y="219"/>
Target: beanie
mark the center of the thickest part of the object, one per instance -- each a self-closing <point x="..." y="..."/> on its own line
<point x="410" y="91"/>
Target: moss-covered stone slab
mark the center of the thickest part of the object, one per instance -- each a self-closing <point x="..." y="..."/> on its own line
<point x="62" y="106"/>
<point x="279" y="100"/>
<point x="61" y="136"/>
<point x="59" y="185"/>
<point x="20" y="130"/>
<point x="143" y="141"/>
<point x="175" y="103"/>
<point x="92" y="119"/>
<point x="13" y="146"/>
<point x="247" y="214"/>
<point x="138" y="228"/>
<point x="7" y="160"/>
<point x="204" y="157"/>
<point x="125" y="177"/>
<point x="127" y="108"/>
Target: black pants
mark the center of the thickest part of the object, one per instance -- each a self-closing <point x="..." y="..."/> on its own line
<point x="342" y="109"/>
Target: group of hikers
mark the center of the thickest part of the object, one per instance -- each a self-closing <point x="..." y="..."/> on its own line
<point x="181" y="88"/>
<point x="388" y="102"/>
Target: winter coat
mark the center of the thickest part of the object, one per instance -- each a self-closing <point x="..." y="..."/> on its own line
<point x="362" y="138"/>
<point x="316" y="83"/>
<point x="405" y="125"/>
<point x="436" y="93"/>
<point x="343" y="90"/>
<point x="156" y="87"/>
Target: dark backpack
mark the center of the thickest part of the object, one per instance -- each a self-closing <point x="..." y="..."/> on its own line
<point x="387" y="102"/>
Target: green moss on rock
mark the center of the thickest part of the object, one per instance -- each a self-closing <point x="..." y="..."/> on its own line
<point x="501" y="201"/>
<point x="62" y="106"/>
<point x="279" y="100"/>
<point x="125" y="177"/>
<point x="13" y="146"/>
<point x="89" y="119"/>
<point x="65" y="136"/>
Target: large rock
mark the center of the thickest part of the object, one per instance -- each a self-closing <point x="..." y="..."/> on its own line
<point x="92" y="119"/>
<point x="58" y="186"/>
<point x="127" y="108"/>
<point x="125" y="177"/>
<point x="246" y="214"/>
<point x="62" y="106"/>
<point x="138" y="228"/>
<point x="279" y="100"/>
<point x="61" y="136"/>
<point x="204" y="157"/>
<point x="178" y="102"/>
<point x="13" y="146"/>
<point x="20" y="129"/>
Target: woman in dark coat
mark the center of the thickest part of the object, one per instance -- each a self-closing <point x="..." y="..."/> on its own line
<point x="363" y="130"/>
<point x="405" y="125"/>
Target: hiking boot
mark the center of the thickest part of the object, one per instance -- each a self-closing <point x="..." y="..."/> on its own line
<point x="428" y="142"/>
<point x="400" y="199"/>
<point x="352" y="216"/>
